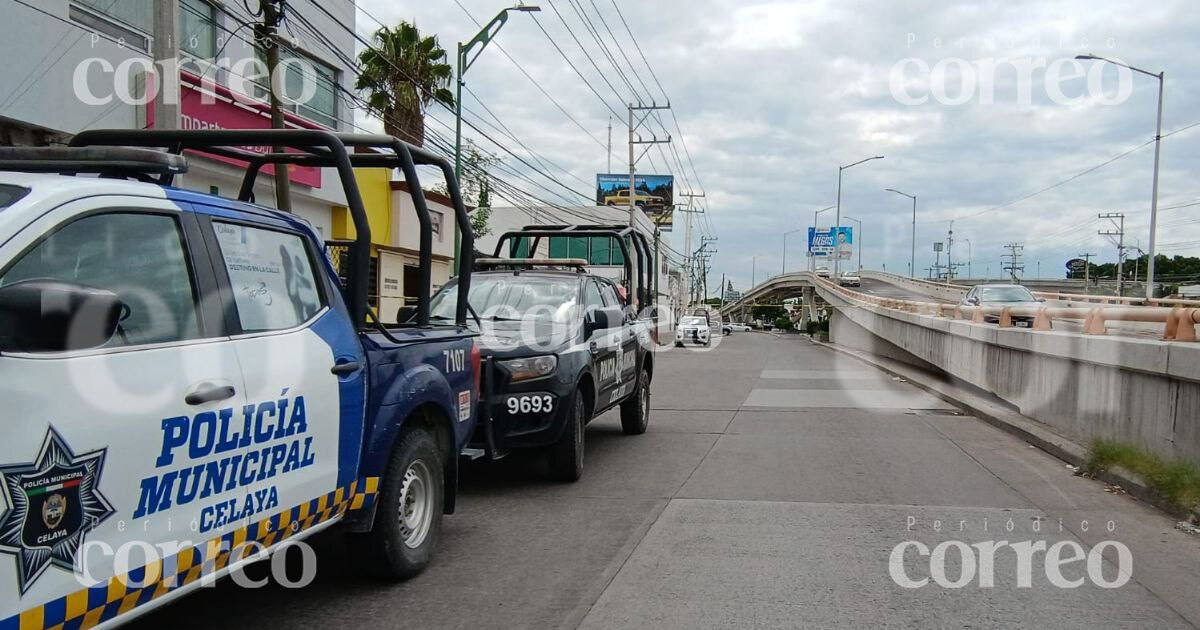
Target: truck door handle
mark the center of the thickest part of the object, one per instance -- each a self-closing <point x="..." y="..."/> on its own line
<point x="208" y="392"/>
<point x="342" y="369"/>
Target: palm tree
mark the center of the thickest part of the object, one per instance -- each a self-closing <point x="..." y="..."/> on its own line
<point x="404" y="73"/>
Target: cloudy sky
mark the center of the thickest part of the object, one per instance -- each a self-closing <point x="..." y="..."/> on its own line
<point x="771" y="97"/>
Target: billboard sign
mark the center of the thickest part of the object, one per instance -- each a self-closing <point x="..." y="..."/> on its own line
<point x="654" y="194"/>
<point x="1076" y="265"/>
<point x="831" y="242"/>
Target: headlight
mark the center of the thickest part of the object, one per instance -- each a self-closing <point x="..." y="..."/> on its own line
<point x="530" y="367"/>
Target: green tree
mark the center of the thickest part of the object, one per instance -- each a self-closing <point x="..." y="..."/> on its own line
<point x="475" y="186"/>
<point x="403" y="73"/>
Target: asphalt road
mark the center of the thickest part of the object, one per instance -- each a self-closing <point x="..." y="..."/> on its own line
<point x="880" y="288"/>
<point x="774" y="483"/>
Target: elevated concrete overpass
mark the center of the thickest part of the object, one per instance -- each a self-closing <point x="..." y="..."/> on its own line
<point x="1068" y="371"/>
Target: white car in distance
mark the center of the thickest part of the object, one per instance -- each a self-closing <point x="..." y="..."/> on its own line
<point x="732" y="327"/>
<point x="692" y="328"/>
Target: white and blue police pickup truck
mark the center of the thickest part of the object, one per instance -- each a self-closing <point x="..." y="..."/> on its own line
<point x="186" y="385"/>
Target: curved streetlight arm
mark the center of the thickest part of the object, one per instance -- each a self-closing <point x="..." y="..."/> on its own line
<point x="1158" y="76"/>
<point x="900" y="193"/>
<point x="876" y="157"/>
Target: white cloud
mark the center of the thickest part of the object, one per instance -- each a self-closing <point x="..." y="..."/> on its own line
<point x="772" y="96"/>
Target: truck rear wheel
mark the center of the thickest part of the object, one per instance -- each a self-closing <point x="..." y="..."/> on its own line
<point x="566" y="456"/>
<point x="635" y="410"/>
<point x="408" y="515"/>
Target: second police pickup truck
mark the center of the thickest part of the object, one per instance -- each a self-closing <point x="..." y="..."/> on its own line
<point x="560" y="345"/>
<point x="185" y="376"/>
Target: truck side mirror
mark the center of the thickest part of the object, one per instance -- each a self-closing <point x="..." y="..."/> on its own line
<point x="44" y="315"/>
<point x="602" y="319"/>
<point x="405" y="313"/>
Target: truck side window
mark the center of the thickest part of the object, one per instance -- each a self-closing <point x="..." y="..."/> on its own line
<point x="271" y="275"/>
<point x="610" y="295"/>
<point x="591" y="296"/>
<point x="138" y="256"/>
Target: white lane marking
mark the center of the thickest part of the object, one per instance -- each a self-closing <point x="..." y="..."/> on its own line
<point x="846" y="398"/>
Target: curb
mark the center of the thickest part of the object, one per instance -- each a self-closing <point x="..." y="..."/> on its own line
<point x="1027" y="429"/>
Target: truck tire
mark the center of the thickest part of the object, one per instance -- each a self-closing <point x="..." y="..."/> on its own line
<point x="408" y="515"/>
<point x="635" y="410"/>
<point x="566" y="456"/>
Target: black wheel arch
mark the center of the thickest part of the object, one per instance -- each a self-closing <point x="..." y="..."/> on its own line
<point x="433" y="419"/>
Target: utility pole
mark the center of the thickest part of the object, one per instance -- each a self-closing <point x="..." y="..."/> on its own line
<point x="272" y="12"/>
<point x="1118" y="221"/>
<point x="649" y="109"/>
<point x="1014" y="265"/>
<point x="609" y="153"/>
<point x="1087" y="268"/>
<point x="949" y="249"/>
<point x="166" y="53"/>
<point x="687" y="234"/>
<point x="703" y="255"/>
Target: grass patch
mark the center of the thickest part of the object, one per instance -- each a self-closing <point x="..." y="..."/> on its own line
<point x="1176" y="481"/>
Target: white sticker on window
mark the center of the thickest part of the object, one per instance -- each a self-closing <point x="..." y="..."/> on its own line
<point x="271" y="276"/>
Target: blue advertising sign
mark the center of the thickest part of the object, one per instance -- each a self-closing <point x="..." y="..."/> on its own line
<point x="831" y="242"/>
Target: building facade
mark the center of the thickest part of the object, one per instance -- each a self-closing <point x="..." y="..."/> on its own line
<point x="89" y="62"/>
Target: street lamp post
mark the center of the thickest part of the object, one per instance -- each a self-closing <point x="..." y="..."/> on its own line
<point x="463" y="63"/>
<point x="812" y="263"/>
<point x="753" y="271"/>
<point x="912" y="263"/>
<point x="783" y="267"/>
<point x="858" y="241"/>
<point x="836" y="259"/>
<point x="970" y="255"/>
<point x="1154" y="185"/>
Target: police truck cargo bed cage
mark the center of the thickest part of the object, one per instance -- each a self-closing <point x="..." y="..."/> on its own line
<point x="341" y="151"/>
<point x="619" y="233"/>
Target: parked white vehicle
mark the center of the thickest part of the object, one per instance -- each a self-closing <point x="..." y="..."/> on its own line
<point x="692" y="328"/>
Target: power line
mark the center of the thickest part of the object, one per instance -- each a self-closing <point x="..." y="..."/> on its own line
<point x="500" y="145"/>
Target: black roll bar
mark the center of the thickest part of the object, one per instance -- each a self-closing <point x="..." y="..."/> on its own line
<point x="645" y="254"/>
<point x="322" y="149"/>
<point x="637" y="297"/>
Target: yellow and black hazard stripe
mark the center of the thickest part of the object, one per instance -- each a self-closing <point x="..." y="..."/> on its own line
<point x="89" y="607"/>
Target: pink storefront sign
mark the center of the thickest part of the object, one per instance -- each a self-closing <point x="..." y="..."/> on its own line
<point x="205" y="105"/>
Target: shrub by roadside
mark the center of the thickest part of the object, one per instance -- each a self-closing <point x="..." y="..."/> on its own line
<point x="1175" y="481"/>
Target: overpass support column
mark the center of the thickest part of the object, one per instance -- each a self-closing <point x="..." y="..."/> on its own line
<point x="806" y="312"/>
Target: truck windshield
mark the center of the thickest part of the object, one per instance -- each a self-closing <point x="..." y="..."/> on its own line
<point x="691" y="321"/>
<point x="507" y="297"/>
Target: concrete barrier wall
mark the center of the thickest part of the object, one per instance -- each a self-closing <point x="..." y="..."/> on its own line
<point x="1140" y="391"/>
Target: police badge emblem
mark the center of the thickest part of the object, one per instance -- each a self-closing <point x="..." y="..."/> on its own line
<point x="52" y="504"/>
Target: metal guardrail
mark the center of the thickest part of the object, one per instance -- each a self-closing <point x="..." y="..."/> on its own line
<point x="1179" y="321"/>
<point x="1059" y="296"/>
